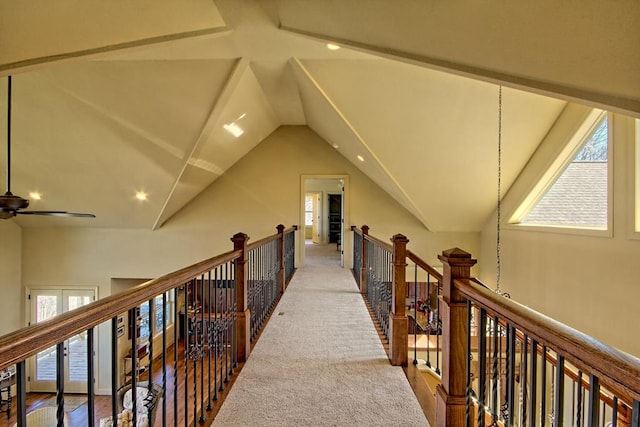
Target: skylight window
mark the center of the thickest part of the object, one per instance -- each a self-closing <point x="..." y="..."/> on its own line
<point x="578" y="198"/>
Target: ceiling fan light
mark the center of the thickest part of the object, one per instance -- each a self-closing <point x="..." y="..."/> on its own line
<point x="141" y="195"/>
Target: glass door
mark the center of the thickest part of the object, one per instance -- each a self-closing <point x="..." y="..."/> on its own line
<point x="48" y="303"/>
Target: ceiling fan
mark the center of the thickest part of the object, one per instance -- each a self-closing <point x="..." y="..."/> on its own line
<point x="11" y="205"/>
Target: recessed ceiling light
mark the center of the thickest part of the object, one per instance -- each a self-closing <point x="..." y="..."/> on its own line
<point x="332" y="46"/>
<point x="233" y="129"/>
<point x="336" y="146"/>
<point x="360" y="158"/>
<point x="35" y="195"/>
<point x="141" y="195"/>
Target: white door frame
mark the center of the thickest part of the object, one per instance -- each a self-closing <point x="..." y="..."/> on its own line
<point x="347" y="240"/>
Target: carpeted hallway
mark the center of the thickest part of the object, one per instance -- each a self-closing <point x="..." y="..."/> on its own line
<point x="319" y="361"/>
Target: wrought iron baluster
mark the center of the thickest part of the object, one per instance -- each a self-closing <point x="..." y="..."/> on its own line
<point x="594" y="401"/>
<point x="579" y="399"/>
<point x="508" y="412"/>
<point x="543" y="389"/>
<point x="494" y="384"/>
<point x="533" y="383"/>
<point x="482" y="365"/>
<point x="523" y="380"/>
<point x="558" y="406"/>
<point x="614" y="415"/>
<point x="164" y="357"/>
<point x="468" y="367"/>
<point x="210" y="325"/>
<point x="60" y="354"/>
<point x="176" y="334"/>
<point x="21" y="386"/>
<point x="114" y="366"/>
<point x="133" y="315"/>
<point x="90" y="377"/>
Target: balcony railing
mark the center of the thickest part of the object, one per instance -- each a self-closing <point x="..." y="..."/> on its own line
<point x="221" y="303"/>
<point x="497" y="363"/>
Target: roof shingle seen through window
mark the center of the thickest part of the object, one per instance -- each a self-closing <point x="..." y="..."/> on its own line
<point x="578" y="198"/>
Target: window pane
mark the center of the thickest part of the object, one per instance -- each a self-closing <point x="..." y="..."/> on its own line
<point x="579" y="197"/>
<point x="308" y="218"/>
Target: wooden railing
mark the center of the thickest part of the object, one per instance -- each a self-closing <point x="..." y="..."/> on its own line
<point x="213" y="337"/>
<point x="498" y="362"/>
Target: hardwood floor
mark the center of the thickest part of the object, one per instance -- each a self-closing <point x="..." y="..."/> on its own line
<point x="166" y="407"/>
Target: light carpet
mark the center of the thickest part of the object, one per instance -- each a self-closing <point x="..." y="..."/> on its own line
<point x="319" y="361"/>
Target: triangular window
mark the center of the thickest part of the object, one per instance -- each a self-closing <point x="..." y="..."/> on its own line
<point x="578" y="198"/>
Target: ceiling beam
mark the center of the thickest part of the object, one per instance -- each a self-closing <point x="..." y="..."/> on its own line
<point x="181" y="194"/>
<point x="34" y="63"/>
<point x="391" y="185"/>
<point x="620" y="104"/>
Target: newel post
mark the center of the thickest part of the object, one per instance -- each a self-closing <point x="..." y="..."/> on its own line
<point x="451" y="393"/>
<point x="363" y="263"/>
<point x="398" y="322"/>
<point x="281" y="272"/>
<point x="242" y="291"/>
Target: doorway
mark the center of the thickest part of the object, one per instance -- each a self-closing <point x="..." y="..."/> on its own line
<point x="44" y="304"/>
<point x="324" y="213"/>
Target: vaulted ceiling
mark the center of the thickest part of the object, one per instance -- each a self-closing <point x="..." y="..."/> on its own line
<point x="113" y="98"/>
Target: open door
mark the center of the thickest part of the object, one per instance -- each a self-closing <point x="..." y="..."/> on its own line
<point x="342" y="236"/>
<point x="315" y="226"/>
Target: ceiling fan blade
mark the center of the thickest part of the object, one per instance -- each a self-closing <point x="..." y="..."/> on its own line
<point x="57" y="213"/>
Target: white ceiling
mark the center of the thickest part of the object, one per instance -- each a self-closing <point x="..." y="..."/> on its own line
<point x="115" y="116"/>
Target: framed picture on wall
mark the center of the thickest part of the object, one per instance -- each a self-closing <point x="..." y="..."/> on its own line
<point x="120" y="331"/>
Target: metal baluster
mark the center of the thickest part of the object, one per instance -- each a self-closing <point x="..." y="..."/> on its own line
<point x="468" y="366"/>
<point x="415" y="314"/>
<point x="614" y="415"/>
<point x="558" y="406"/>
<point x="202" y="344"/>
<point x="187" y="343"/>
<point x="579" y="400"/>
<point x="429" y="320"/>
<point x="523" y="380"/>
<point x="114" y="366"/>
<point x="438" y="334"/>
<point x="635" y="414"/>
<point x="60" y="354"/>
<point x="210" y="328"/>
<point x="494" y="385"/>
<point x="133" y="315"/>
<point x="164" y="358"/>
<point x="511" y="376"/>
<point x="216" y="336"/>
<point x="233" y="284"/>
<point x="543" y="390"/>
<point x="533" y="381"/>
<point x="90" y="382"/>
<point x="482" y="365"/>
<point x="594" y="400"/>
<point x="175" y="350"/>
<point x="226" y="325"/>
<point x="21" y="386"/>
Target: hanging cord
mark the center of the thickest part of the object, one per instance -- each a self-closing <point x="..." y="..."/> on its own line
<point x="499" y="204"/>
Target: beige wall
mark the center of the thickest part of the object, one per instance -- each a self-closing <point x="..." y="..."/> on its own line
<point x="10" y="276"/>
<point x="587" y="282"/>
<point x="257" y="193"/>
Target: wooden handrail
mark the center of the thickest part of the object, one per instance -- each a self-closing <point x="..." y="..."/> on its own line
<point x="26" y="342"/>
<point x="422" y="264"/>
<point x="616" y="369"/>
<point x="378" y="242"/>
<point x="268" y="239"/>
